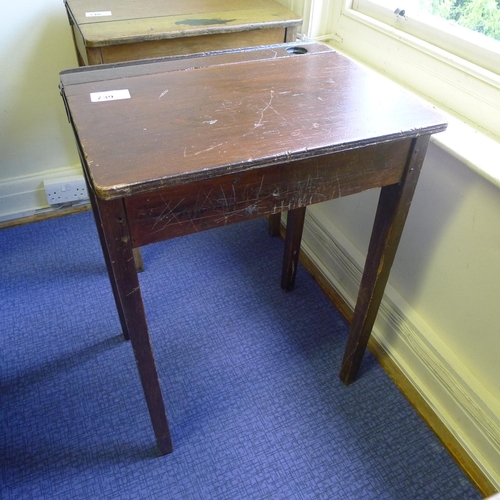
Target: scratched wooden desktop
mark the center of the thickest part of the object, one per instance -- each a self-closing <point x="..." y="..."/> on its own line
<point x="178" y="145"/>
<point x="123" y="30"/>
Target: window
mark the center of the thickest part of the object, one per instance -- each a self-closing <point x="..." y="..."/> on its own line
<point x="466" y="28"/>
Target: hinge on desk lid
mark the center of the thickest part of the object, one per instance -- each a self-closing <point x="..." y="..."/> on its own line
<point x="63" y="95"/>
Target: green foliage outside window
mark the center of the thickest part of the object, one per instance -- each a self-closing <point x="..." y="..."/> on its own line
<point x="482" y="16"/>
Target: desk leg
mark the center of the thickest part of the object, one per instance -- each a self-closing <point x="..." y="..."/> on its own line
<point x="100" y="232"/>
<point x="118" y="246"/>
<point x="390" y="218"/>
<point x="274" y="224"/>
<point x="294" y="227"/>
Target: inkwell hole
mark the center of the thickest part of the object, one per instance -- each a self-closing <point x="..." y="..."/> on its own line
<point x="296" y="50"/>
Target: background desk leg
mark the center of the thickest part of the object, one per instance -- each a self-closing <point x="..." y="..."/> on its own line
<point x="294" y="227"/>
<point x="124" y="274"/>
<point x="274" y="224"/>
<point x="390" y="218"/>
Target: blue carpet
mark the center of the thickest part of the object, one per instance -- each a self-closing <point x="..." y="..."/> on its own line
<point x="249" y="376"/>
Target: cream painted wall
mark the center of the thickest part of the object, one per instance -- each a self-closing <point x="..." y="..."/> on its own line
<point x="35" y="138"/>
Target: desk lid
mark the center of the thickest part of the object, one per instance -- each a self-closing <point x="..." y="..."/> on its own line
<point x="146" y="125"/>
<point x="111" y="22"/>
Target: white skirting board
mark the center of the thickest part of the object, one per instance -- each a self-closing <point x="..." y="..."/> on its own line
<point x="25" y="196"/>
<point x="459" y="400"/>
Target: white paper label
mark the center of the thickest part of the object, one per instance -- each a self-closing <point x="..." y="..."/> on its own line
<point x="98" y="14"/>
<point x="110" y="95"/>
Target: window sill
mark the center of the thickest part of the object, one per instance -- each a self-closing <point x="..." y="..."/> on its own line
<point x="473" y="148"/>
<point x="401" y="36"/>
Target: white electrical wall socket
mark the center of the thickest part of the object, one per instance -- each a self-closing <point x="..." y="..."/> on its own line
<point x="66" y="190"/>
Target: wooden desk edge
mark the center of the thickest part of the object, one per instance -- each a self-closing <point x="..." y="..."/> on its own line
<point x="107" y="193"/>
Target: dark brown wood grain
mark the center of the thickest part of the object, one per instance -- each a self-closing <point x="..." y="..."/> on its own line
<point x="219" y="201"/>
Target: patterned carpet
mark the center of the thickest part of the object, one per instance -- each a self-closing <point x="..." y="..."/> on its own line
<point x="249" y="376"/>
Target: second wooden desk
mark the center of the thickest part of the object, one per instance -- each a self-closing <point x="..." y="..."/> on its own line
<point x="125" y="30"/>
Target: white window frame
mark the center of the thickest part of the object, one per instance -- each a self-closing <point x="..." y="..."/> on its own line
<point x="459" y="41"/>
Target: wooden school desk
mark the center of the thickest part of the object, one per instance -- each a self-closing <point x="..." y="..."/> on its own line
<point x="109" y="31"/>
<point x="178" y="145"/>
